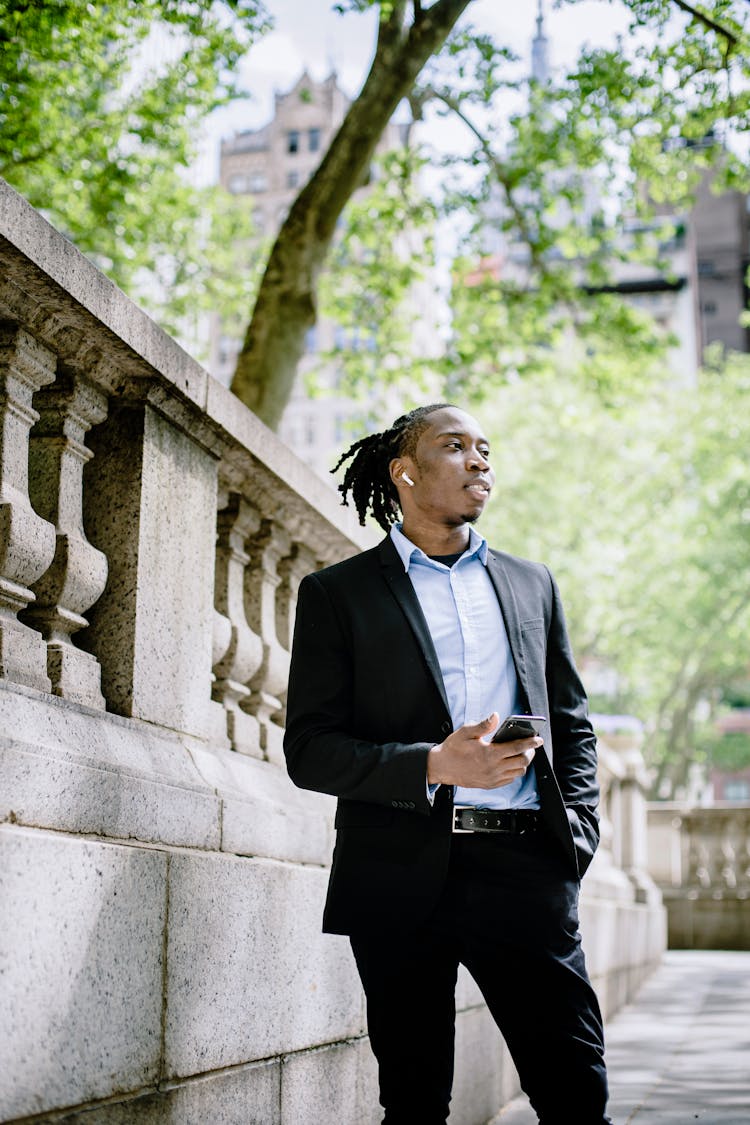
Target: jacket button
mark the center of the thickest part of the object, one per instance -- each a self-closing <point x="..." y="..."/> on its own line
<point x="446" y="728"/>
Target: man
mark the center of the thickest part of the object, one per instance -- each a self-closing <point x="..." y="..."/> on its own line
<point x="405" y="660"/>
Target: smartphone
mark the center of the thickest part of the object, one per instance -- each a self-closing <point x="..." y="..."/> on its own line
<point x="519" y="726"/>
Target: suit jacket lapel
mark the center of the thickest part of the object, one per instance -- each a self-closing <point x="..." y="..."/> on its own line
<point x="400" y="586"/>
<point x="509" y="607"/>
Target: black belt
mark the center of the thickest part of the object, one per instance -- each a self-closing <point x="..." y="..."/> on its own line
<point x="467" y="818"/>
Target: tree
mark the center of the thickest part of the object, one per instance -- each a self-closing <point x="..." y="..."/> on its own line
<point x="646" y="124"/>
<point x="100" y="140"/>
<point x="107" y="165"/>
<point x="285" y="307"/>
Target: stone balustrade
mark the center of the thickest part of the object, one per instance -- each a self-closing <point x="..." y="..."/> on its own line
<point x="700" y="858"/>
<point x="622" y="917"/>
<point x="107" y="424"/>
<point x="161" y="880"/>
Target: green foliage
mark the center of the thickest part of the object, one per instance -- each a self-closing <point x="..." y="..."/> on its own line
<point x="644" y="515"/>
<point x="100" y="140"/>
<point x="371" y="290"/>
<point x="99" y="137"/>
<point x="729" y="751"/>
<point x="561" y="185"/>
<point x="213" y="261"/>
<point x="548" y="185"/>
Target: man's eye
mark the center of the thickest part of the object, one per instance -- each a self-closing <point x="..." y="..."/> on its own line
<point x="485" y="453"/>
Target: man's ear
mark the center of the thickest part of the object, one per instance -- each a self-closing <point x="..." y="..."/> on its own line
<point x="399" y="470"/>
<point x="396" y="468"/>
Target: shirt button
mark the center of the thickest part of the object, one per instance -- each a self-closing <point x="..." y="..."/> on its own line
<point x="446" y="727"/>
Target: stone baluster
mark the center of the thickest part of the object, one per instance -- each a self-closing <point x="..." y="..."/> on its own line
<point x="699" y="857"/>
<point x="633" y="819"/>
<point x="291" y="570"/>
<point x="27" y="541"/>
<point x="744" y="863"/>
<point x="714" y="834"/>
<point x="732" y="847"/>
<point x="221" y="638"/>
<point x="78" y="574"/>
<point x="243" y="655"/>
<point x="607" y="785"/>
<point x="268" y="547"/>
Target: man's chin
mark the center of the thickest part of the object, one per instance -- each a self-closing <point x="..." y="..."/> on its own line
<point x="465" y="517"/>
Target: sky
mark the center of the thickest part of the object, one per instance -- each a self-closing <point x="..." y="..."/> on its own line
<point x="309" y="34"/>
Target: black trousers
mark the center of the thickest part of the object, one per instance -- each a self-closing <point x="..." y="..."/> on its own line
<point x="509" y="913"/>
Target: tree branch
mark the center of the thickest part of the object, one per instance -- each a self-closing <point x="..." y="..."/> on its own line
<point x="391" y="30"/>
<point x="286" y="301"/>
<point x="501" y="176"/>
<point x="707" y="22"/>
<point x="29" y="157"/>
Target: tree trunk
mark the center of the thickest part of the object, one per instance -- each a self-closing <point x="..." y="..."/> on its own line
<point x="285" y="307"/>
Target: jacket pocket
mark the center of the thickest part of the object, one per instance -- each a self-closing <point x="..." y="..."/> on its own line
<point x="362" y="814"/>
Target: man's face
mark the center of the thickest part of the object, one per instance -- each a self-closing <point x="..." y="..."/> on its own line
<point x="450" y="469"/>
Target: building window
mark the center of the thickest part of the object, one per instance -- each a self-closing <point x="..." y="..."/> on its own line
<point x="311" y="340"/>
<point x="292" y="179"/>
<point x="257" y="181"/>
<point x="292" y="141"/>
<point x="709" y="308"/>
<point x="258" y="218"/>
<point x="706" y="267"/>
<point x="313" y="139"/>
<point x="237" y="184"/>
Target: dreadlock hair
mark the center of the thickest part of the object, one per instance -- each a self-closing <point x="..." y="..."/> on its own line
<point x="368" y="476"/>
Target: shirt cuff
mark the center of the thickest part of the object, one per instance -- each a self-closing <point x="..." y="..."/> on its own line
<point x="432" y="788"/>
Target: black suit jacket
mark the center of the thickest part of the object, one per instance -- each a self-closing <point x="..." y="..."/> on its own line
<point x="366" y="703"/>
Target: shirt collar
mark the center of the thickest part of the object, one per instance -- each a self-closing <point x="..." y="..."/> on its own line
<point x="408" y="552"/>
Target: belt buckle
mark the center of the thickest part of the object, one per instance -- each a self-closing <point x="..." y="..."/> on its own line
<point x="457" y="831"/>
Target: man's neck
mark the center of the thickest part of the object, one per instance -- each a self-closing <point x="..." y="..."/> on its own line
<point x="436" y="539"/>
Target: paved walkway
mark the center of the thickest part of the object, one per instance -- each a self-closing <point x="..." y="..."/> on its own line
<point x="681" y="1052"/>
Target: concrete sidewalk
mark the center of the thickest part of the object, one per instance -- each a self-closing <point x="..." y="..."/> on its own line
<point x="681" y="1052"/>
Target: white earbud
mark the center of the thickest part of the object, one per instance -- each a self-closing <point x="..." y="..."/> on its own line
<point x="407" y="478"/>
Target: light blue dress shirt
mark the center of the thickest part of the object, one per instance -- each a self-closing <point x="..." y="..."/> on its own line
<point x="467" y="629"/>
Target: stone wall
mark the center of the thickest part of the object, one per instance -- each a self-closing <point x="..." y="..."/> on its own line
<point x="161" y="880"/>
<point x="700" y="859"/>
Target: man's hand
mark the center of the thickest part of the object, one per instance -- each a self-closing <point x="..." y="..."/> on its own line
<point x="465" y="759"/>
